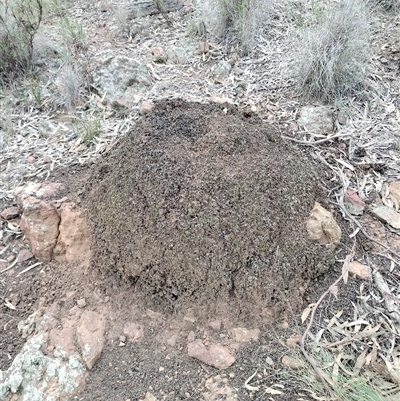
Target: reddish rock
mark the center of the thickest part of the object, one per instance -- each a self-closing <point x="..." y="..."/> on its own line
<point x="61" y="339"/>
<point x="292" y="363"/>
<point x="293" y="341"/>
<point x="146" y="107"/>
<point x="242" y="335"/>
<point x="73" y="239"/>
<point x="10" y="213"/>
<point x="322" y="227"/>
<point x="353" y="203"/>
<point x="24" y="255"/>
<point x="43" y="191"/>
<point x="158" y="51"/>
<point x="39" y="223"/>
<point x="134" y="331"/>
<point x="361" y="271"/>
<point x="216" y="325"/>
<point x="90" y="334"/>
<point x="204" y="47"/>
<point x="217" y="356"/>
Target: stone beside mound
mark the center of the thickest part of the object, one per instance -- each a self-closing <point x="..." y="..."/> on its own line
<point x="202" y="204"/>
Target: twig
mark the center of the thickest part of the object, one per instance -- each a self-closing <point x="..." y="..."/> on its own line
<point x="29" y="268"/>
<point x="314" y="142"/>
<point x="9" y="267"/>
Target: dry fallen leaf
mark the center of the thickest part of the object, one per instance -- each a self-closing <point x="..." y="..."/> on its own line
<point x="306" y="312"/>
<point x="270" y="390"/>
<point x="334" y="290"/>
<point x="9" y="304"/>
<point x="247" y="385"/>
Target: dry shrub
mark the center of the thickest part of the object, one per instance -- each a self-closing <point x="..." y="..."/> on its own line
<point x="69" y="83"/>
<point x="389" y="5"/>
<point x="332" y="54"/>
<point x="19" y="22"/>
<point x="241" y="19"/>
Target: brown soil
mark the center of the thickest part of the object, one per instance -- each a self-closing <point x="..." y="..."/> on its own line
<point x="226" y="192"/>
<point x="202" y="204"/>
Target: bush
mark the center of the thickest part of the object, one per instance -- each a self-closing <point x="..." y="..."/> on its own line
<point x="237" y="18"/>
<point x="333" y="52"/>
<point x="19" y="22"/>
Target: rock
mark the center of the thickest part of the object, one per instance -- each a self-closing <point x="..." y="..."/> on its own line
<point x="361" y="271"/>
<point x="217" y="356"/>
<point x="394" y="190"/>
<point x="90" y="334"/>
<point x="353" y="203"/>
<point x="292" y="363"/>
<point x="31" y="159"/>
<point x="24" y="255"/>
<point x="341" y="118"/>
<point x="221" y="71"/>
<point x="104" y="7"/>
<point x="172" y="341"/>
<point x="150" y="397"/>
<point x="121" y="77"/>
<point x="219" y="100"/>
<point x="81" y="303"/>
<point x="44" y="190"/>
<point x="293" y="341"/>
<point x="61" y="339"/>
<point x="177" y="54"/>
<point x="36" y="376"/>
<point x="159" y="55"/>
<point x="146" y="107"/>
<point x="242" y="335"/>
<point x="204" y="47"/>
<point x="191" y="336"/>
<point x="387" y="215"/>
<point x="10" y="213"/>
<point x="316" y="119"/>
<point x="73" y="239"/>
<point x="216" y="325"/>
<point x="39" y="223"/>
<point x="134" y="331"/>
<point x="322" y="227"/>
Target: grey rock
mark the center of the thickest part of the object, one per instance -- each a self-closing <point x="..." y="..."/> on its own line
<point x="316" y="119"/>
<point x="387" y="215"/>
<point x="32" y="372"/>
<point x="221" y="71"/>
<point x="121" y="77"/>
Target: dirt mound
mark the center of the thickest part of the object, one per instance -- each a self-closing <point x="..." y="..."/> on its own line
<point x="201" y="203"/>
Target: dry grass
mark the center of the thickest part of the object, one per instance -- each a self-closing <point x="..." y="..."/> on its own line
<point x="240" y="19"/>
<point x="19" y="22"/>
<point x="332" y="54"/>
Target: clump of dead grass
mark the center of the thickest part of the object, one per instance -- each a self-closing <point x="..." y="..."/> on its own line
<point x="241" y="19"/>
<point x="19" y="22"/>
<point x="331" y="59"/>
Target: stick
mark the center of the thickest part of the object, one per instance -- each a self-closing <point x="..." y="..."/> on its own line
<point x="29" y="268"/>
<point x="313" y="142"/>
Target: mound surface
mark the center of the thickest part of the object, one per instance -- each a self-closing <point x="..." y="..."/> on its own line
<point x="200" y="203"/>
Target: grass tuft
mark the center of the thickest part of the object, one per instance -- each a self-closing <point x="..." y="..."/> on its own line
<point x="333" y="54"/>
<point x="240" y="19"/>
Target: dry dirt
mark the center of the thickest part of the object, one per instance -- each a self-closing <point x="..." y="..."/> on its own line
<point x="179" y="146"/>
<point x="198" y="150"/>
